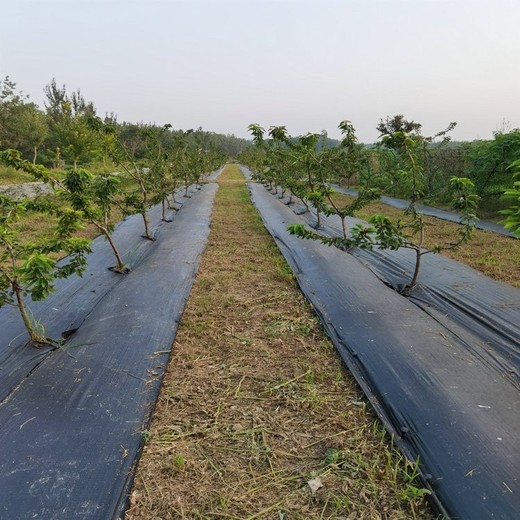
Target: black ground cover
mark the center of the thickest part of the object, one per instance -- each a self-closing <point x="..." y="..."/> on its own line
<point x="66" y="308"/>
<point x="450" y="216"/>
<point x="73" y="427"/>
<point x="487" y="310"/>
<point x="443" y="389"/>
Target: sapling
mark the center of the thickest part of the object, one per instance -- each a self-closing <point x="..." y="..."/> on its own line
<point x="91" y="196"/>
<point x="95" y="196"/>
<point x="409" y="231"/>
<point x="30" y="268"/>
<point x="281" y="161"/>
<point x="186" y="159"/>
<point x="161" y="178"/>
<point x="347" y="158"/>
<point x="123" y="154"/>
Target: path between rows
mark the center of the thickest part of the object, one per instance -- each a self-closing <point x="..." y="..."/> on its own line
<point x="257" y="417"/>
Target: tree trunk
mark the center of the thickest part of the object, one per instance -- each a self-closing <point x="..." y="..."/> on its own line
<point x="344" y="226"/>
<point x="35" y="337"/>
<point x="120" y="263"/>
<point x="35" y="154"/>
<point x="415" y="276"/>
<point x="146" y="226"/>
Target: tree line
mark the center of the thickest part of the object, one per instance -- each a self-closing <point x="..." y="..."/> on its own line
<point x="59" y="134"/>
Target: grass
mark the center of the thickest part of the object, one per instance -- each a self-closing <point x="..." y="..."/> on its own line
<point x="494" y="255"/>
<point x="10" y="175"/>
<point x="256" y="406"/>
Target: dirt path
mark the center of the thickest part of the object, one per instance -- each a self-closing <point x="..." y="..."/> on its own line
<point x="257" y="418"/>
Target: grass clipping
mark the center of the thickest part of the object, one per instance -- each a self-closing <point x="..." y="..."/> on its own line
<point x="257" y="418"/>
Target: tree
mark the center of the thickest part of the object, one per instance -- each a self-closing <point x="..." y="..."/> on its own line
<point x="91" y="197"/>
<point x="94" y="197"/>
<point x="22" y="124"/>
<point x="69" y="121"/>
<point x="124" y="152"/>
<point x="30" y="268"/>
<point x="489" y="162"/>
<point x="409" y="230"/>
<point x="160" y="167"/>
<point x="33" y="128"/>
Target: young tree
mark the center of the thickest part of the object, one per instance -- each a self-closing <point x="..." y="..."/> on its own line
<point x="30" y="268"/>
<point x="408" y="231"/>
<point x="347" y="157"/>
<point x="160" y="172"/>
<point x="91" y="197"/>
<point x="124" y="153"/>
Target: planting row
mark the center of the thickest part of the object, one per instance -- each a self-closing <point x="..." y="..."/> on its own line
<point x="305" y="166"/>
<point x="444" y="392"/>
<point x="80" y="199"/>
<point x="73" y="425"/>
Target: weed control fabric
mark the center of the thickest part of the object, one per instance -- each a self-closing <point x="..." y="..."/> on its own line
<point x="444" y="404"/>
<point x="482" y="311"/>
<point x="64" y="310"/>
<point x="72" y="430"/>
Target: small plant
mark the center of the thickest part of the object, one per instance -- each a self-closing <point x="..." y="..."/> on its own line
<point x="91" y="196"/>
<point x="95" y="196"/>
<point x="123" y="152"/>
<point x="346" y="157"/>
<point x="179" y="462"/>
<point x="31" y="268"/>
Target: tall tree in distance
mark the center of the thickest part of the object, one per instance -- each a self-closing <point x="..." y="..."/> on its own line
<point x="69" y="117"/>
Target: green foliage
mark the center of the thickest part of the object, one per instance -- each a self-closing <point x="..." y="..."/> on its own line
<point x="69" y="117"/>
<point x="490" y="161"/>
<point x="305" y="165"/>
<point x="30" y="268"/>
<point x="512" y="220"/>
<point x="409" y="230"/>
<point x="22" y="124"/>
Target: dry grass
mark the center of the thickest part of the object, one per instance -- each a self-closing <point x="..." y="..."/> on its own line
<point x="494" y="255"/>
<point x="9" y="175"/>
<point x="256" y="403"/>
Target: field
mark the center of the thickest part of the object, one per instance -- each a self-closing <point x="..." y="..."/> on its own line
<point x="258" y="416"/>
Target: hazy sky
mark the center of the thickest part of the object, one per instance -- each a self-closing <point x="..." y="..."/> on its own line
<point x="222" y="64"/>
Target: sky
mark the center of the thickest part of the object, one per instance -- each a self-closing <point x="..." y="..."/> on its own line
<point x="223" y="64"/>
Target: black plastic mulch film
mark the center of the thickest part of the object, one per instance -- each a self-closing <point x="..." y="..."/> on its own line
<point x="72" y="420"/>
<point x="441" y="368"/>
